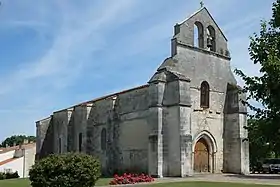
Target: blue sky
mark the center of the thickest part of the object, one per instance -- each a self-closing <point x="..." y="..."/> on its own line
<point x="54" y="54"/>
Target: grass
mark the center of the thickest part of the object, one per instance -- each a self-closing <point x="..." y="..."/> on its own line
<point x="105" y="181"/>
<point x="26" y="183"/>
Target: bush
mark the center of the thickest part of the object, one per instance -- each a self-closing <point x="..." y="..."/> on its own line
<point x="131" y="179"/>
<point x="11" y="175"/>
<point x="2" y="176"/>
<point x="67" y="170"/>
<point x="8" y="175"/>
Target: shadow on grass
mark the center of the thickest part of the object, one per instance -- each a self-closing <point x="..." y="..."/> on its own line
<point x="256" y="176"/>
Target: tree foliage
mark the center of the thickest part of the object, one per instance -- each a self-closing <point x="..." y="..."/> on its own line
<point x="259" y="149"/>
<point x="67" y="170"/>
<point x="17" y="139"/>
<point x="264" y="50"/>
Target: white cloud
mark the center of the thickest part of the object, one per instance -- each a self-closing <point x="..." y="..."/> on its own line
<point x="63" y="61"/>
<point x="81" y="28"/>
<point x="69" y="41"/>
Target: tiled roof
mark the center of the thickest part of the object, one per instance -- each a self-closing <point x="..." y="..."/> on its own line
<point x="7" y="161"/>
<point x="7" y="149"/>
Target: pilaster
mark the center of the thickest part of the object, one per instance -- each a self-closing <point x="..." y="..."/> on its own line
<point x="177" y="103"/>
<point x="155" y="150"/>
<point x="236" y="145"/>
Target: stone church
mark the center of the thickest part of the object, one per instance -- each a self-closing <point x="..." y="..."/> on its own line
<point x="187" y="119"/>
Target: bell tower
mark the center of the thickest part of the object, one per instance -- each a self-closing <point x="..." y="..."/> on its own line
<point x="200" y="31"/>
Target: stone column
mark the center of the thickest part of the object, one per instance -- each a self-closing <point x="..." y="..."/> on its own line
<point x="185" y="128"/>
<point x="44" y="137"/>
<point x="80" y="125"/>
<point x="236" y="145"/>
<point x="155" y="150"/>
<point x="178" y="109"/>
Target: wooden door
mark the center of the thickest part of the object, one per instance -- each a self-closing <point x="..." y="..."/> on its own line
<point x="201" y="157"/>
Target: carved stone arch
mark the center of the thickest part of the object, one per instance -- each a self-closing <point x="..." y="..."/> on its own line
<point x="198" y="34"/>
<point x="211" y="38"/>
<point x="204" y="148"/>
<point x="209" y="138"/>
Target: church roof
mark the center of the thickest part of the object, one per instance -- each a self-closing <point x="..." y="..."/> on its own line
<point x="114" y="94"/>
<point x="104" y="97"/>
<point x="200" y="10"/>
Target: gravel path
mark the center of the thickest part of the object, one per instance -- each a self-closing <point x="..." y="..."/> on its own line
<point x="268" y="179"/>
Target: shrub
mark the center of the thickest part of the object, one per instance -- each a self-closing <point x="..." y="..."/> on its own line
<point x="11" y="175"/>
<point x="67" y="170"/>
<point x="2" y="176"/>
<point x="8" y="175"/>
<point x="131" y="179"/>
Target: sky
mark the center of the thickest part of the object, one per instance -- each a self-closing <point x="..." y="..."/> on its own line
<point x="54" y="54"/>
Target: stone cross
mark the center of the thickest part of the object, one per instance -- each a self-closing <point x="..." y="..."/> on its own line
<point x="201" y="4"/>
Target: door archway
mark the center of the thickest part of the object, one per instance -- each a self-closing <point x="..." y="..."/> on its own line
<point x="201" y="156"/>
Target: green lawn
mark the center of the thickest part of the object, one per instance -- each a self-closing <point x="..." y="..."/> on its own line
<point x="105" y="181"/>
<point x="26" y="183"/>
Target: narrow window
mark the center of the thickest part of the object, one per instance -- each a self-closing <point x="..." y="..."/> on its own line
<point x="211" y="40"/>
<point x="59" y="145"/>
<point x="198" y="35"/>
<point x="80" y="141"/>
<point x="204" y="95"/>
<point x="103" y="139"/>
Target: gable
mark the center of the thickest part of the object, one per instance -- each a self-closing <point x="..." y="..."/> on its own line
<point x="197" y="14"/>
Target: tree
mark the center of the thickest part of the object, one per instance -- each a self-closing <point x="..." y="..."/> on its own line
<point x="265" y="89"/>
<point x="17" y="139"/>
<point x="259" y="149"/>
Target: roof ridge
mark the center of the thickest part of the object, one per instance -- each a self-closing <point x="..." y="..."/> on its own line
<point x="105" y="97"/>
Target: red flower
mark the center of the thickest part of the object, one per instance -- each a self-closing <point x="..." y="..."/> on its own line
<point x="130" y="178"/>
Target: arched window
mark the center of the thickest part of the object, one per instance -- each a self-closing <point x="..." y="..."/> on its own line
<point x="198" y="35"/>
<point x="59" y="145"/>
<point x="211" y="38"/>
<point x="204" y="95"/>
<point x="80" y="141"/>
<point x="103" y="139"/>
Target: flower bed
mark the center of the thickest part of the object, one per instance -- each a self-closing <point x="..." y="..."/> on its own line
<point x="131" y="179"/>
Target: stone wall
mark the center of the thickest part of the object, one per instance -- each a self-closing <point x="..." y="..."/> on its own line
<point x="44" y="137"/>
<point x="211" y="121"/>
<point x="133" y="112"/>
<point x="60" y="123"/>
<point x="29" y="160"/>
<point x="101" y="117"/>
<point x="206" y="66"/>
<point x="123" y="118"/>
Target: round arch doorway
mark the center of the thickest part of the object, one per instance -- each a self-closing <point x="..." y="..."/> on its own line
<point x="201" y="156"/>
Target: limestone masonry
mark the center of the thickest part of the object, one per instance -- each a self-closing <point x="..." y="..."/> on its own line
<point x="187" y="119"/>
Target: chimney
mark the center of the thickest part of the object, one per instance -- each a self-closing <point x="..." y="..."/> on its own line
<point x="14" y="144"/>
<point x="7" y="145"/>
